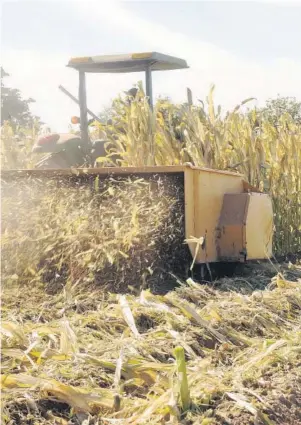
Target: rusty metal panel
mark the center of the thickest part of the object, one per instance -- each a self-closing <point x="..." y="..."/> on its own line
<point x="108" y="171"/>
<point x="231" y="229"/>
<point x="105" y="171"/>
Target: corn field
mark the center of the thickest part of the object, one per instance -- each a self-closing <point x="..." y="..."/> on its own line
<point x="91" y="333"/>
<point x="269" y="157"/>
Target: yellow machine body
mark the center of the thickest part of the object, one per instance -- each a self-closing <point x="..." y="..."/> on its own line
<point x="234" y="221"/>
<point x="226" y="219"/>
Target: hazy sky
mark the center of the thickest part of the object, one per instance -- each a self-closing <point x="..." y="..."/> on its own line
<point x="248" y="49"/>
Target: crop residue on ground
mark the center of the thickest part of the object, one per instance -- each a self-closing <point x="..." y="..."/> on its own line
<point x="88" y="355"/>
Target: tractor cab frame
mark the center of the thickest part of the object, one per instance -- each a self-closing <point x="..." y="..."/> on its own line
<point x="134" y="62"/>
